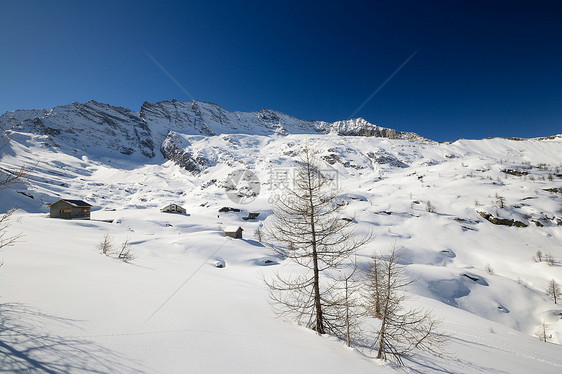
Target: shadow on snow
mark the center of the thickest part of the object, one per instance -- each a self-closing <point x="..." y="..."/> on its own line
<point x="27" y="347"/>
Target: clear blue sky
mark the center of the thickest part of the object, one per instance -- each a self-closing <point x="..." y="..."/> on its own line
<point x="482" y="68"/>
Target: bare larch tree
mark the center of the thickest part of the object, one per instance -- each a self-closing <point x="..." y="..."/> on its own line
<point x="553" y="290"/>
<point x="402" y="330"/>
<point x="542" y="333"/>
<point x="346" y="310"/>
<point x="307" y="229"/>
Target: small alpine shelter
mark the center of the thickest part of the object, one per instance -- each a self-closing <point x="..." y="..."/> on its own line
<point x="173" y="208"/>
<point x="233" y="232"/>
<point x="70" y="209"/>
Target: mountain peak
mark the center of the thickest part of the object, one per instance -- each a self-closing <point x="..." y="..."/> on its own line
<point x="94" y="124"/>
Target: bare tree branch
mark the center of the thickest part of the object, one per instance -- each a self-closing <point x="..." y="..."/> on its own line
<point x="5" y="239"/>
<point x="10" y="177"/>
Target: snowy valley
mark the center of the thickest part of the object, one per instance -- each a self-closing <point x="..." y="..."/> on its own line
<point x="468" y="216"/>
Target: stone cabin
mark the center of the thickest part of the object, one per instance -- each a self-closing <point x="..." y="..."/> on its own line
<point x="173" y="208"/>
<point x="234" y="232"/>
<point x="70" y="209"/>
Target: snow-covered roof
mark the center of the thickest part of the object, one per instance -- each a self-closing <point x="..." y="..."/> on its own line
<point x="75" y="203"/>
<point x="232" y="228"/>
<point x="173" y="205"/>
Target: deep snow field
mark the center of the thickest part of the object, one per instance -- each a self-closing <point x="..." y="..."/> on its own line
<point x="66" y="308"/>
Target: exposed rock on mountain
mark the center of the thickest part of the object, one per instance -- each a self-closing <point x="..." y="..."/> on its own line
<point x="176" y="149"/>
<point x="115" y="130"/>
<point x="360" y="127"/>
<point x="86" y="126"/>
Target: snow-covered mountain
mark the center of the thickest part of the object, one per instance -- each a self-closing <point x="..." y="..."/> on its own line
<point x="495" y="203"/>
<point x="90" y="126"/>
<point x="106" y="128"/>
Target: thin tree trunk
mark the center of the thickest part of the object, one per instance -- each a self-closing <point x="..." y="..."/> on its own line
<point x="347" y="318"/>
<point x="377" y="291"/>
<point x="385" y="311"/>
<point x="317" y="301"/>
<point x="380" y="354"/>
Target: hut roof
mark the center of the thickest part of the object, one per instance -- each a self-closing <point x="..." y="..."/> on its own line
<point x="75" y="203"/>
<point x="232" y="228"/>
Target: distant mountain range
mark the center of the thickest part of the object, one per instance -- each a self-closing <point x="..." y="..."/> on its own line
<point x="115" y="129"/>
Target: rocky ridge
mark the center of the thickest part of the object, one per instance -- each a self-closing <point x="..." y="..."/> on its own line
<point x="114" y="131"/>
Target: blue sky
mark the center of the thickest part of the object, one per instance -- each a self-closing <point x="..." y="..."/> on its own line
<point x="479" y="68"/>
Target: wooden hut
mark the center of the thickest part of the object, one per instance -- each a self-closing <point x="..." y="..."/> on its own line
<point x="234" y="232"/>
<point x="70" y="209"/>
<point x="173" y="208"/>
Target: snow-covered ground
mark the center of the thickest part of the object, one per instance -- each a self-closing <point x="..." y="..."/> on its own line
<point x="66" y="308"/>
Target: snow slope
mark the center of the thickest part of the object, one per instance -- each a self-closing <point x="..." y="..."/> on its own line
<point x="66" y="308"/>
